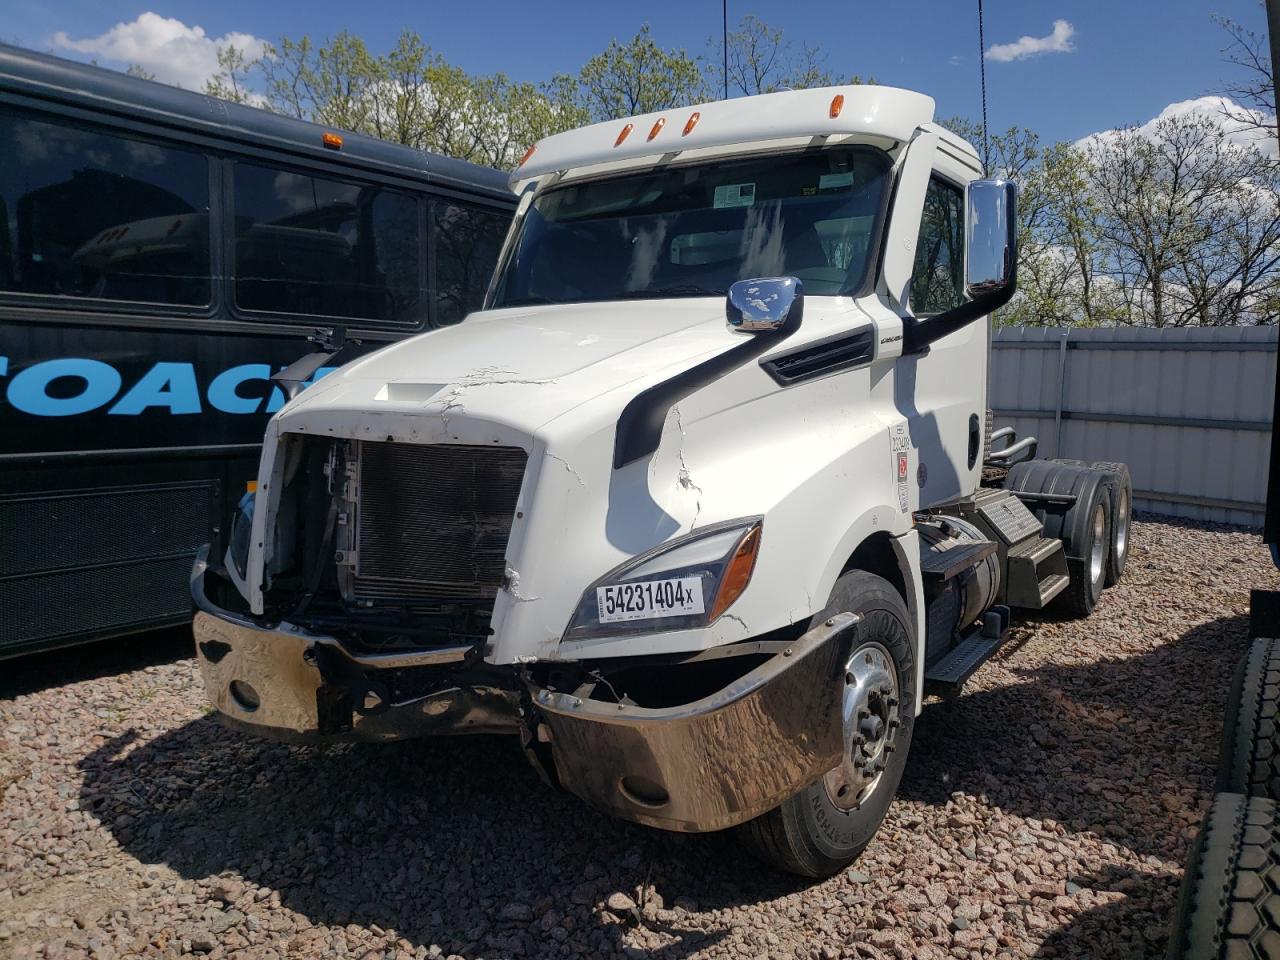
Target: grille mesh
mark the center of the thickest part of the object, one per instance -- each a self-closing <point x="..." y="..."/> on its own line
<point x="435" y="519"/>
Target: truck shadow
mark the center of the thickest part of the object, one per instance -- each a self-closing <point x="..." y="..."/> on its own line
<point x="453" y="842"/>
<point x="1124" y="749"/>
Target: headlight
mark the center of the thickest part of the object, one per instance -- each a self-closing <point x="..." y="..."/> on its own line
<point x="241" y="534"/>
<point x="687" y="583"/>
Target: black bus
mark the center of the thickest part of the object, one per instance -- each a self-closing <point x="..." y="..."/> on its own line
<point x="163" y="253"/>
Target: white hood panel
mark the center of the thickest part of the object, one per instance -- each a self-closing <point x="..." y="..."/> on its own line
<point x="517" y="367"/>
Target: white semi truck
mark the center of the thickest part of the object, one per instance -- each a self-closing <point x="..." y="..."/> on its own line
<point x="701" y="505"/>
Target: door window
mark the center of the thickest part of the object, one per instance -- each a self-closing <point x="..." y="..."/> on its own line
<point x="937" y="279"/>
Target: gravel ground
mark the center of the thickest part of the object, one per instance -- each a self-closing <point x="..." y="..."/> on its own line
<point x="1045" y="813"/>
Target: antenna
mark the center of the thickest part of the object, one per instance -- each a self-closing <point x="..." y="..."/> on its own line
<point x="982" y="68"/>
<point x="724" y="42"/>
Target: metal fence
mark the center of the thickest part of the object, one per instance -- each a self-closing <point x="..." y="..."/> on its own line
<point x="1188" y="409"/>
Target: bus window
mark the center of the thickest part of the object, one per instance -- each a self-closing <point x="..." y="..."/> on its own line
<point x="323" y="247"/>
<point x="89" y="213"/>
<point x="467" y="242"/>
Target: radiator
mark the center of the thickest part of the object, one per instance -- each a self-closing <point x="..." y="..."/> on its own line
<point x="434" y="520"/>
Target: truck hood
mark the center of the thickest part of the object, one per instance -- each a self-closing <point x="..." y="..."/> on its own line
<point x="517" y="367"/>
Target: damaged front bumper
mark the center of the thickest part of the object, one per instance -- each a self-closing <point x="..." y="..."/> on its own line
<point x="718" y="761"/>
<point x="708" y="764"/>
<point x="288" y="684"/>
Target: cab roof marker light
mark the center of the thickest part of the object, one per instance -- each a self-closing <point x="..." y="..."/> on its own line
<point x="332" y="141"/>
<point x="837" y="104"/>
<point x="691" y="123"/>
<point x="657" y="128"/>
<point x="527" y="154"/>
<point x="626" y="132"/>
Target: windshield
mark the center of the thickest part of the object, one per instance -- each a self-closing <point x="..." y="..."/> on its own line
<point x="695" y="230"/>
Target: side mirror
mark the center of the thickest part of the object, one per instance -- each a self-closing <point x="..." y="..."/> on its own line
<point x="765" y="305"/>
<point x="990" y="263"/>
<point x="991" y="241"/>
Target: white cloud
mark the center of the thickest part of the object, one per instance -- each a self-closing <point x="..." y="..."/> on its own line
<point x="1059" y="41"/>
<point x="163" y="46"/>
<point x="1222" y="111"/>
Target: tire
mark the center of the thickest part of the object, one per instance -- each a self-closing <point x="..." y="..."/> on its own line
<point x="1088" y="574"/>
<point x="1076" y="525"/>
<point x="820" y="831"/>
<point x="1120" y="485"/>
<point x="1249" y="759"/>
<point x="1229" y="891"/>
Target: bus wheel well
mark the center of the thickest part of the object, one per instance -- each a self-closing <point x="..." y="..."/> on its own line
<point x="877" y="554"/>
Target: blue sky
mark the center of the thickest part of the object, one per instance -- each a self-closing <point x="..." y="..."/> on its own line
<point x="1124" y="65"/>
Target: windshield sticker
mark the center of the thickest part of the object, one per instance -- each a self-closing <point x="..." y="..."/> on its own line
<point x="833" y="181"/>
<point x="735" y="195"/>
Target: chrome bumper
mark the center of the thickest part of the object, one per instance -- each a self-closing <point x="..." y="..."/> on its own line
<point x="718" y="761"/>
<point x="270" y="682"/>
<point x="288" y="684"/>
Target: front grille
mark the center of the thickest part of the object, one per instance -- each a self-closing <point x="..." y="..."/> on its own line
<point x="434" y="520"/>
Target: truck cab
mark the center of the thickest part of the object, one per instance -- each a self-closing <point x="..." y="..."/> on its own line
<point x="695" y="505"/>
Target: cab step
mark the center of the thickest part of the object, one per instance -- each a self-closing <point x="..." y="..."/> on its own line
<point x="1036" y="573"/>
<point x="945" y="564"/>
<point x="947" y="676"/>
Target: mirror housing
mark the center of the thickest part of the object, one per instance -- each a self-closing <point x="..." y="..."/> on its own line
<point x="990" y="262"/>
<point x="765" y="305"/>
<point x="991" y="236"/>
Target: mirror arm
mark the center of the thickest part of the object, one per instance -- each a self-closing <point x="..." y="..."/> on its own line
<point x="918" y="334"/>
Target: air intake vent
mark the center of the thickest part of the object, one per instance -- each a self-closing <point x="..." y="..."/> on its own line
<point x="434" y="520"/>
<point x="826" y="356"/>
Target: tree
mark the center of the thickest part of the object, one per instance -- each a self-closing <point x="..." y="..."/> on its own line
<point x="412" y="96"/>
<point x="626" y="79"/>
<point x="1006" y="155"/>
<point x="1058" y="246"/>
<point x="139" y="71"/>
<point x="231" y="82"/>
<point x="1189" y="222"/>
<point x="762" y="60"/>
<point x="1253" y="90"/>
<point x="286" y="70"/>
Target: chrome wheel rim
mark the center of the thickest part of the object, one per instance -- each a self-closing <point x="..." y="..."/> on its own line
<point x="1122" y="525"/>
<point x="870" y="717"/>
<point x="1098" y="550"/>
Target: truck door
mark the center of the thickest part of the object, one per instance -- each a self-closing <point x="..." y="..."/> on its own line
<point x="942" y="390"/>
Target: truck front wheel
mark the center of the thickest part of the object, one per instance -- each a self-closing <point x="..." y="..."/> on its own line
<point x="823" y="828"/>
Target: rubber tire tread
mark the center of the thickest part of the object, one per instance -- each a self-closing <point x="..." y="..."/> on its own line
<point x="1249" y="757"/>
<point x="1078" y="600"/>
<point x="778" y="836"/>
<point x="1121" y="480"/>
<point x="1231" y="887"/>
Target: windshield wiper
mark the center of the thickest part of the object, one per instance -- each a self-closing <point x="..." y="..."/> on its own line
<point x="684" y="290"/>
